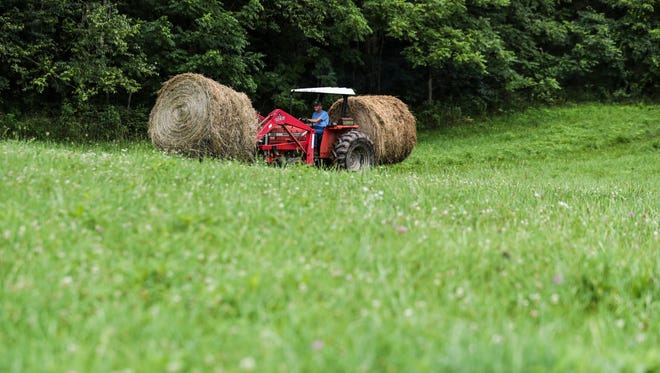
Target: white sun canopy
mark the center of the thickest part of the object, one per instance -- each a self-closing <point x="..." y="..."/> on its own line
<point x="326" y="90"/>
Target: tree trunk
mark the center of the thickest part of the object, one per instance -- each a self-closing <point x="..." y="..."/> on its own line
<point x="374" y="46"/>
<point x="380" y="62"/>
<point x="430" y="86"/>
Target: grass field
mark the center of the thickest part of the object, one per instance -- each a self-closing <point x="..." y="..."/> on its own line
<point x="528" y="242"/>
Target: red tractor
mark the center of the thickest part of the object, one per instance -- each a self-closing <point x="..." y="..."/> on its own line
<point x="284" y="139"/>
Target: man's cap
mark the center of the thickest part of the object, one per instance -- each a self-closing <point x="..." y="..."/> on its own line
<point x="318" y="103"/>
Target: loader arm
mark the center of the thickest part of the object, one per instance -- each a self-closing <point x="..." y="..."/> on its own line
<point x="280" y="134"/>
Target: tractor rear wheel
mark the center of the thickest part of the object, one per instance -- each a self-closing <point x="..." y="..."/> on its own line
<point x="354" y="151"/>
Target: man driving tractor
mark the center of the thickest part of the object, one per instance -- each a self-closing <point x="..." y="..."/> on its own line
<point x="319" y="121"/>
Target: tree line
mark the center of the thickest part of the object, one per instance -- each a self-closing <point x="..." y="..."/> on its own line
<point x="72" y="67"/>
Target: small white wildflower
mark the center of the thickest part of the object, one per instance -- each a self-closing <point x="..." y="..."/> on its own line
<point x="174" y="366"/>
<point x="564" y="205"/>
<point x="248" y="363"/>
<point x="408" y="312"/>
<point x="554" y="298"/>
<point x="620" y="323"/>
<point x="66" y="281"/>
<point x="497" y="339"/>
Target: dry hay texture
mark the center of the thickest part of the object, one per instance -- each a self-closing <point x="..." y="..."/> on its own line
<point x="386" y="120"/>
<point x="198" y="117"/>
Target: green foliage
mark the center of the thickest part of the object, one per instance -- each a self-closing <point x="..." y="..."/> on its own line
<point x="591" y="48"/>
<point x="75" y="52"/>
<point x="638" y="34"/>
<point x="75" y="122"/>
<point x="438" y="36"/>
<point x="463" y="56"/>
<point x="304" y="43"/>
<point x="439" y="114"/>
<point x="104" y="60"/>
<point x="195" y="36"/>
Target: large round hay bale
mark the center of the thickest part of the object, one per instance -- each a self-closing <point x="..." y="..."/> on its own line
<point x="386" y="120"/>
<point x="197" y="116"/>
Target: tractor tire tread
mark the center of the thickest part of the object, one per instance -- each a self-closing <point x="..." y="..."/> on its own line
<point x="347" y="144"/>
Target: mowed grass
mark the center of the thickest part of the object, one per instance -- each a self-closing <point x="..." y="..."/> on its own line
<point x="528" y="242"/>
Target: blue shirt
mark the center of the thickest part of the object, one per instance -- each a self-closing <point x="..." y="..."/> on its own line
<point x="325" y="119"/>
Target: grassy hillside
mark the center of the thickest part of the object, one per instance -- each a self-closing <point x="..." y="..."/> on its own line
<point x="526" y="242"/>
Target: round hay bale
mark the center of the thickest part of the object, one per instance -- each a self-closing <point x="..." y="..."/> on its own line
<point x="199" y="117"/>
<point x="386" y="120"/>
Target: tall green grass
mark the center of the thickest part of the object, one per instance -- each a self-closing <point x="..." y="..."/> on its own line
<point x="527" y="242"/>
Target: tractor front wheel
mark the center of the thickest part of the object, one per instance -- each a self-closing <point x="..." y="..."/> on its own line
<point x="354" y="151"/>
